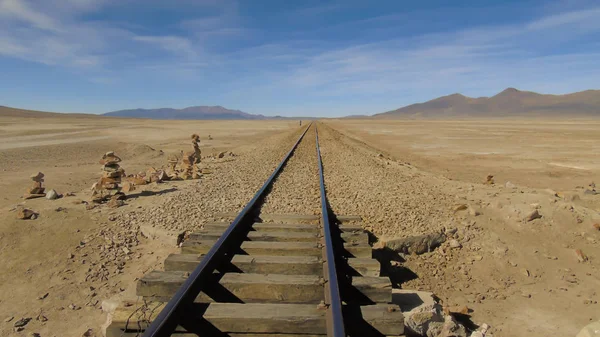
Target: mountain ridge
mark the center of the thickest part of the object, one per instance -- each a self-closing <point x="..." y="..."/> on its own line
<point x="189" y="113"/>
<point x="507" y="103"/>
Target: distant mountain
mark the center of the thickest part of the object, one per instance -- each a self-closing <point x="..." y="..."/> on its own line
<point x="6" y="111"/>
<point x="193" y="112"/>
<point x="510" y="102"/>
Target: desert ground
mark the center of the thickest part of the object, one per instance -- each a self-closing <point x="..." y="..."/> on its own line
<point x="404" y="178"/>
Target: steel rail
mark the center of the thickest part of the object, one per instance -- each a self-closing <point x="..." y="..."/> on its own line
<point x="334" y="317"/>
<point x="167" y="320"/>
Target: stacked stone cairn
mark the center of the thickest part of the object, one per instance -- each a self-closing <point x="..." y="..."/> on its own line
<point x="109" y="188"/>
<point x="37" y="189"/>
<point x="191" y="159"/>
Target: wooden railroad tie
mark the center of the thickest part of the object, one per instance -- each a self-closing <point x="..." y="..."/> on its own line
<point x="272" y="285"/>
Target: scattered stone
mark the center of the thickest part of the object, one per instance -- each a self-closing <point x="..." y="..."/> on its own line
<point x="473" y="212"/>
<point x="413" y="245"/>
<point x="115" y="203"/>
<point x="597" y="226"/>
<point x="52" y="195"/>
<point x="8" y="319"/>
<point x="464" y="310"/>
<point x="89" y="333"/>
<point x="41" y="318"/>
<point x="460" y="207"/>
<point x="581" y="257"/>
<point x="74" y="307"/>
<point x="41" y="297"/>
<point x="221" y="155"/>
<point x="22" y="322"/>
<point x="451" y="328"/>
<point x="510" y="185"/>
<point x="533" y="215"/>
<point x="454" y="244"/>
<point x="25" y="213"/>
<point x="34" y="334"/>
<point x="489" y="180"/>
<point x="482" y="331"/>
<point x="127" y="186"/>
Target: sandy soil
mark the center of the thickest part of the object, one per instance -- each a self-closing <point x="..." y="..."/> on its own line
<point x="404" y="178"/>
<point x="522" y="277"/>
<point x="81" y="257"/>
<point x="558" y="154"/>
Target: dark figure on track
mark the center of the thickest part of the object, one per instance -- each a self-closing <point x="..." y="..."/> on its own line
<point x="300" y="123"/>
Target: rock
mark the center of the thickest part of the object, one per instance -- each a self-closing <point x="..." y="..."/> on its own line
<point x="533" y="215"/>
<point x="510" y="185"/>
<point x="457" y="309"/>
<point x="482" y="331"/>
<point x="489" y="180"/>
<point x="460" y="207"/>
<point x="22" y="322"/>
<point x="127" y="186"/>
<point x="597" y="226"/>
<point x="473" y="212"/>
<point x="43" y="296"/>
<point x="115" y="203"/>
<point x="34" y="334"/>
<point x="221" y="155"/>
<point x="38" y="177"/>
<point x="109" y="306"/>
<point x="420" y="309"/>
<point x="25" y="213"/>
<point x="8" y="319"/>
<point x="163" y="176"/>
<point x="590" y="330"/>
<point x="89" y="333"/>
<point x="415" y="244"/>
<point x="454" y="243"/>
<point x="581" y="257"/>
<point x="74" y="307"/>
<point x="51" y="195"/>
<point x="451" y="328"/>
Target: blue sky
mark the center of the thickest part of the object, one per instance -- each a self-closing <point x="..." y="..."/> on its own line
<point x="319" y="58"/>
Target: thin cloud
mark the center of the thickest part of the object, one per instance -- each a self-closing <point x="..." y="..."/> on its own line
<point x="174" y="44"/>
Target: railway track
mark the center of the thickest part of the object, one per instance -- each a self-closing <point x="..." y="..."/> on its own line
<point x="267" y="275"/>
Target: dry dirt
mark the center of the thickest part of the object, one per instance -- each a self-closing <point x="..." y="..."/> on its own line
<point x="403" y="177"/>
<point x="522" y="277"/>
<point x="81" y="257"/>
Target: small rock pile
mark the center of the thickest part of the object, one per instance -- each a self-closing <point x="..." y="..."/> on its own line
<point x="190" y="159"/>
<point x="151" y="176"/>
<point x="109" y="187"/>
<point x="37" y="189"/>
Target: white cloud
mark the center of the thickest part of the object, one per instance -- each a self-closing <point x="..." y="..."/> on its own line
<point x="174" y="44"/>
<point x="20" y="10"/>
